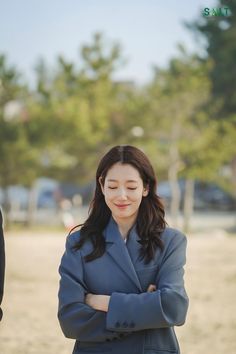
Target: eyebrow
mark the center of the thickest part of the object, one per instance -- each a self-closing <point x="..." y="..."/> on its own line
<point x="130" y="180"/>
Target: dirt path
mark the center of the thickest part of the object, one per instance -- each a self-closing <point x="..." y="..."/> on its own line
<point x="30" y="324"/>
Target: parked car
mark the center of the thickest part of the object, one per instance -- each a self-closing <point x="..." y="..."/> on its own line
<point x="206" y="196"/>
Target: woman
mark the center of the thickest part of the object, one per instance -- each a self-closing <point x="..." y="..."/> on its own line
<point x="122" y="288"/>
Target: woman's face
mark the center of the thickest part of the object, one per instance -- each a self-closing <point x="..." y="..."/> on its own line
<point x="123" y="191"/>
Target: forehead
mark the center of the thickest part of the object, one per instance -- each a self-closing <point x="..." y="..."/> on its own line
<point x="123" y="172"/>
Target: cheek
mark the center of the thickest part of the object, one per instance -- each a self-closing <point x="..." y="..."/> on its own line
<point x="136" y="197"/>
<point x="108" y="194"/>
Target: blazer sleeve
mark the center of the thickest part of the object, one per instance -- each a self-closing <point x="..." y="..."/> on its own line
<point x="165" y="307"/>
<point x="77" y="319"/>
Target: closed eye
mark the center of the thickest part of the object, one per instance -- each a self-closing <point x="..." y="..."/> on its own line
<point x="132" y="189"/>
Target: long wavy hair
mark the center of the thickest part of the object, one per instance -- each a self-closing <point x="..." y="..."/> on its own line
<point x="150" y="221"/>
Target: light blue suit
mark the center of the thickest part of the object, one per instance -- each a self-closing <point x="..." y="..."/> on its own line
<point x="137" y="321"/>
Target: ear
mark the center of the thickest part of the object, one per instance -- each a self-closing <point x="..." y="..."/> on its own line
<point x="145" y="191"/>
<point x="101" y="185"/>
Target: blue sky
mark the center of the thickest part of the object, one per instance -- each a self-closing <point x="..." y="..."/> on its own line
<point x="148" y="30"/>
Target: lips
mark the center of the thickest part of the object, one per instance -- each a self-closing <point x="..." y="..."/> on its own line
<point x="122" y="205"/>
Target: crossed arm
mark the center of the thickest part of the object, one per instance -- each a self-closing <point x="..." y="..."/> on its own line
<point x="101" y="302"/>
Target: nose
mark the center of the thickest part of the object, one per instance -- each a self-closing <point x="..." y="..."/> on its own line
<point x="122" y="193"/>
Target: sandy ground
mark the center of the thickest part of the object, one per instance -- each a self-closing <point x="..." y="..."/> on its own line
<point x="30" y="323"/>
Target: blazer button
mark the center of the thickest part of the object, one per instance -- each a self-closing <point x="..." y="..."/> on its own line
<point x="108" y="340"/>
<point x="125" y="324"/>
<point x="117" y="324"/>
<point x="132" y="325"/>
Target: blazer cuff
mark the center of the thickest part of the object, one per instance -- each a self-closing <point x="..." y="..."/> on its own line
<point x="128" y="312"/>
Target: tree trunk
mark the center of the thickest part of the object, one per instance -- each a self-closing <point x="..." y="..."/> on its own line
<point x="188" y="204"/>
<point x="233" y="168"/>
<point x="173" y="180"/>
<point x="32" y="206"/>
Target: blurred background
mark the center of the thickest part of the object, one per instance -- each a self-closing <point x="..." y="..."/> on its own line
<point x="77" y="78"/>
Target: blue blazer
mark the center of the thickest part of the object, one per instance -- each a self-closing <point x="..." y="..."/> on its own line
<point x="137" y="321"/>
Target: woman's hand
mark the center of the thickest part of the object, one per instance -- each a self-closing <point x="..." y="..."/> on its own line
<point x="151" y="288"/>
<point x="101" y="302"/>
<point x="97" y="302"/>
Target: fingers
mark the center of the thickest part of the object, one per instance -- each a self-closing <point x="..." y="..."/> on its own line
<point x="88" y="298"/>
<point x="151" y="288"/>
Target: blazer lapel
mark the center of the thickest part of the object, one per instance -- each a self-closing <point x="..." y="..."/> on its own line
<point x="117" y="249"/>
<point x="133" y="247"/>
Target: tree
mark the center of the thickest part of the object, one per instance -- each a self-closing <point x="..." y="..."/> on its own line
<point x="72" y="109"/>
<point x="179" y="96"/>
<point x="219" y="34"/>
<point x="17" y="156"/>
<point x="220" y="38"/>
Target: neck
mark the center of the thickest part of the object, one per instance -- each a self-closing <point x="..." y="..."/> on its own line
<point x="125" y="225"/>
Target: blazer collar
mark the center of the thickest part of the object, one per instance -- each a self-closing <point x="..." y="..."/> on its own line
<point x="124" y="255"/>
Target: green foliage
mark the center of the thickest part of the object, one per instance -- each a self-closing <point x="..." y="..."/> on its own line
<point x="17" y="156"/>
<point x="219" y="34"/>
<point x="179" y="98"/>
<point x="220" y="37"/>
<point x="78" y="111"/>
<point x="70" y="120"/>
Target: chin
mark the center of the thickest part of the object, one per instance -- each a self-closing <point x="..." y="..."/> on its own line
<point x="124" y="215"/>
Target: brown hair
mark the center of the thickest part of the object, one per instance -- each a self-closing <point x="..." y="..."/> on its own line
<point x="150" y="220"/>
